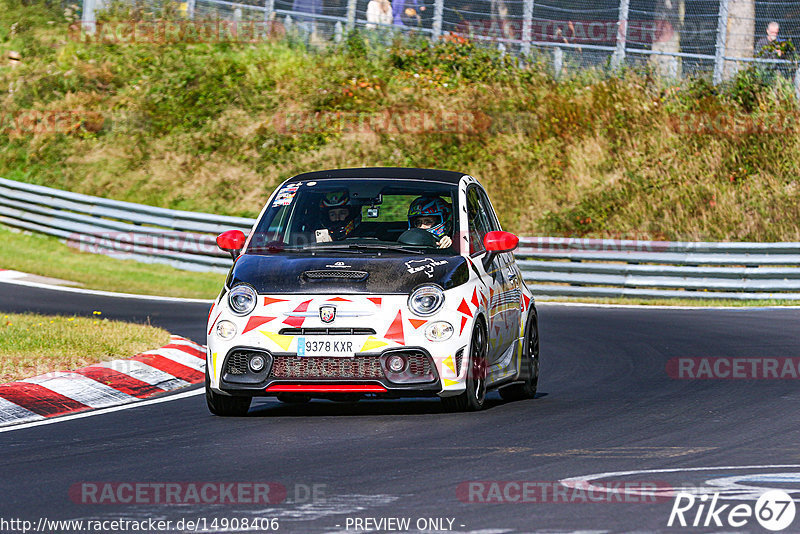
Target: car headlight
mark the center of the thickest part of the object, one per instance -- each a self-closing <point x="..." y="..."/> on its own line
<point x="226" y="329"/>
<point x="242" y="299"/>
<point x="426" y="300"/>
<point x="439" y="331"/>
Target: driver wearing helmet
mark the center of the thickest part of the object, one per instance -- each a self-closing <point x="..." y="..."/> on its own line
<point x="434" y="215"/>
<point x="339" y="217"/>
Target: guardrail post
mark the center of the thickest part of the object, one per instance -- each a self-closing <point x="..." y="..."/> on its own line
<point x="527" y="26"/>
<point x="269" y="9"/>
<point x="797" y="83"/>
<point x="88" y="16"/>
<point x="722" y="36"/>
<point x="438" y="14"/>
<point x="351" y="15"/>
<point x="622" y="34"/>
<point x="558" y="62"/>
<point x="338" y="32"/>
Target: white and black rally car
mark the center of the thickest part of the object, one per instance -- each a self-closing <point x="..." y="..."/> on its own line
<point x="380" y="282"/>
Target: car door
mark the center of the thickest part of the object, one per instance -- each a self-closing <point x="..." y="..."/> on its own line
<point x="512" y="283"/>
<point x="479" y="224"/>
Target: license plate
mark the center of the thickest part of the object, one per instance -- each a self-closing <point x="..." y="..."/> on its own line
<point x="342" y="346"/>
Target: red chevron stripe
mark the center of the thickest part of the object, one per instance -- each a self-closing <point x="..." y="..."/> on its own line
<point x="120" y="381"/>
<point x="187" y="349"/>
<point x="168" y="366"/>
<point x="39" y="399"/>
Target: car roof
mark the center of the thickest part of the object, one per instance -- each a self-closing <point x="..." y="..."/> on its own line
<point x="384" y="172"/>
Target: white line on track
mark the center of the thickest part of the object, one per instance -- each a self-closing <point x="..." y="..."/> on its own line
<point x="538" y="301"/>
<point x="102" y="411"/>
<point x="103" y="293"/>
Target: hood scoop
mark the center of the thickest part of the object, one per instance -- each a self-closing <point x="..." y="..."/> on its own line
<point x="336" y="274"/>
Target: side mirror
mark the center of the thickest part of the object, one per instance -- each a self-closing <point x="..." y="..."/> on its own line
<point x="231" y="241"/>
<point x="497" y="242"/>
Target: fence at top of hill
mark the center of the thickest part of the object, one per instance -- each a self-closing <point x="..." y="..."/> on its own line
<point x="674" y="37"/>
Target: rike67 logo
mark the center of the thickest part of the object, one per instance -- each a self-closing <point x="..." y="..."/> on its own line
<point x="774" y="510"/>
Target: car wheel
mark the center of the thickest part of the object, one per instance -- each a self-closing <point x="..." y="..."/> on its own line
<point x="225" y="405"/>
<point x="530" y="365"/>
<point x="474" y="396"/>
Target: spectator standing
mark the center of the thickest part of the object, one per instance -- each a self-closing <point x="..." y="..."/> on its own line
<point x="773" y="47"/>
<point x="379" y="12"/>
<point x="407" y="13"/>
<point x="765" y="47"/>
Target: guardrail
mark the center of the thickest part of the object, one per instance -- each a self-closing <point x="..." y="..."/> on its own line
<point x="660" y="269"/>
<point x="551" y="266"/>
<point x="183" y="239"/>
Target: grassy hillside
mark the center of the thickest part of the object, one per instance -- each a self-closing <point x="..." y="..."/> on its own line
<point x="213" y="127"/>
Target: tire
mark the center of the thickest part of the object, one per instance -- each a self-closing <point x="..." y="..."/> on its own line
<point x="474" y="396"/>
<point x="530" y="365"/>
<point x="225" y="405"/>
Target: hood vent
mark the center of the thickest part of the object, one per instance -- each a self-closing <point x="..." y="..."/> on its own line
<point x="336" y="274"/>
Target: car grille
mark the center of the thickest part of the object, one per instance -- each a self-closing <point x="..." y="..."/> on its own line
<point x="327" y="332"/>
<point x="336" y="274"/>
<point x="237" y="363"/>
<point x="459" y="358"/>
<point x="326" y="367"/>
<point x="418" y="364"/>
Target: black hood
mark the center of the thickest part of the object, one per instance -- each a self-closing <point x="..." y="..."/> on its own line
<point x="304" y="273"/>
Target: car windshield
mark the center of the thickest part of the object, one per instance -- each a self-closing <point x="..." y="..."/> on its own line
<point x="358" y="216"/>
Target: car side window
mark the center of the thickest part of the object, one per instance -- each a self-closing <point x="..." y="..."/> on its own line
<point x="478" y="221"/>
<point x="491" y="217"/>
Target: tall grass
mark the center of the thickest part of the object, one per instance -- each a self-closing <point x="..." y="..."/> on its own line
<point x="214" y="127"/>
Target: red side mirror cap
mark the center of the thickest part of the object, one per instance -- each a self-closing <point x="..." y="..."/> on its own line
<point x="231" y="241"/>
<point x="500" y="241"/>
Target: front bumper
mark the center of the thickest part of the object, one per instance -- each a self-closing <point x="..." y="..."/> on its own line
<point x="379" y="326"/>
<point x="362" y="374"/>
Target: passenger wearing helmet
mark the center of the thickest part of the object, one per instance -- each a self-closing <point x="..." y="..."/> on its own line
<point x="338" y="216"/>
<point x="434" y="215"/>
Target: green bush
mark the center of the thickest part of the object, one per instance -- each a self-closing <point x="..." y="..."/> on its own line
<point x="214" y="127"/>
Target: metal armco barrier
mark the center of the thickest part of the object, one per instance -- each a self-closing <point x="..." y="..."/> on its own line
<point x="551" y="266"/>
<point x="183" y="239"/>
<point x="660" y="269"/>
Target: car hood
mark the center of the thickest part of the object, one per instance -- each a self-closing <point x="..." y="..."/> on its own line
<point x="294" y="273"/>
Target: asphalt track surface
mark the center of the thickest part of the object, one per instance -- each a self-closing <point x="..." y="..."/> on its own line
<point x="606" y="404"/>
